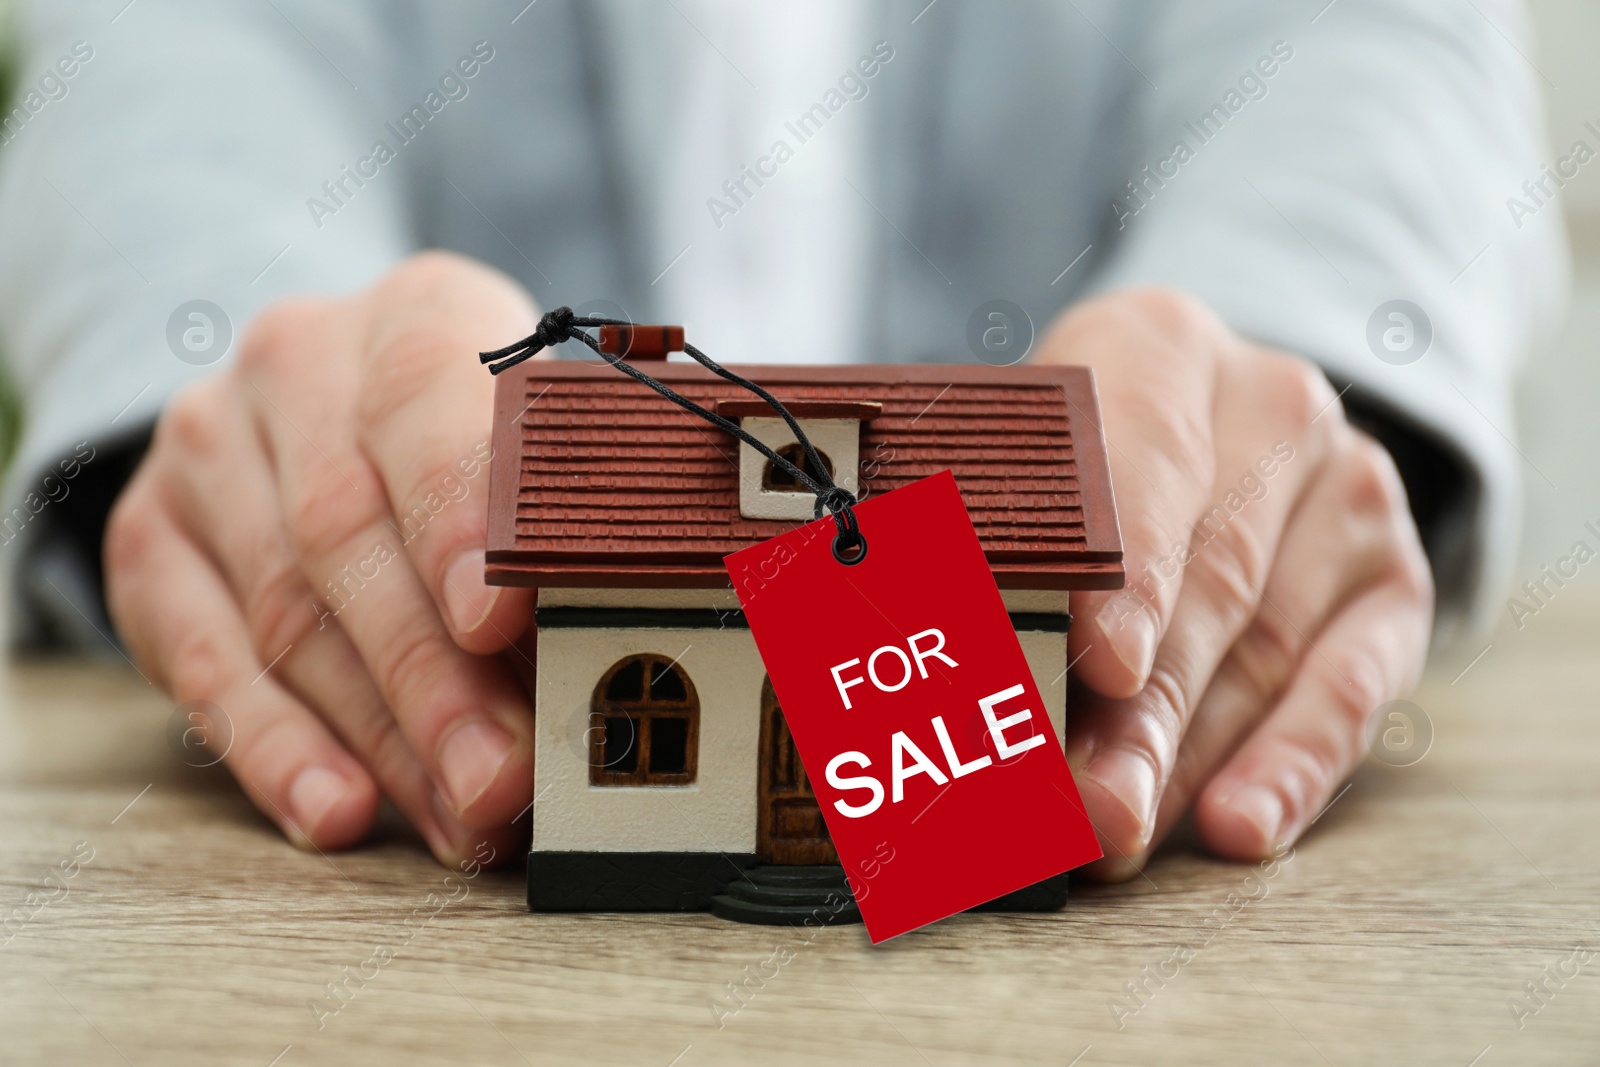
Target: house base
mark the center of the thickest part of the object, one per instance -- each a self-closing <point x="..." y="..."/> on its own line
<point x="730" y="886"/>
<point x="630" y="881"/>
<point x="779" y="895"/>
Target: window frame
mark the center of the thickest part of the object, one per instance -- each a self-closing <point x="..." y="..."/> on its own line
<point x="795" y="453"/>
<point x="643" y="712"/>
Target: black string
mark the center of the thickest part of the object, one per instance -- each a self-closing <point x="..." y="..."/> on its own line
<point x="562" y="325"/>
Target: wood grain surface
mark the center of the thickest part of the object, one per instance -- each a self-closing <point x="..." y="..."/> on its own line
<point x="1400" y="930"/>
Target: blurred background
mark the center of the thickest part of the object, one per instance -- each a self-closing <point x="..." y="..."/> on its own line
<point x="1560" y="387"/>
<point x="1558" y="433"/>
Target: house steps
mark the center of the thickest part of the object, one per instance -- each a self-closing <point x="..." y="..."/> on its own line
<point x="778" y="895"/>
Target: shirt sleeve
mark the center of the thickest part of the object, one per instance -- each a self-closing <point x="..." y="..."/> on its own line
<point x="1345" y="183"/>
<point x="158" y="154"/>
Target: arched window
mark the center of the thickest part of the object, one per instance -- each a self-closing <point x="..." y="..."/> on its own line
<point x="775" y="479"/>
<point x="648" y="724"/>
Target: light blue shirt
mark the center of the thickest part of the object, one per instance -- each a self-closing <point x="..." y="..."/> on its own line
<point x="1297" y="166"/>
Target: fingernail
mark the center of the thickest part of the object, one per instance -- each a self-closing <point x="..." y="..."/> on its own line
<point x="466" y="595"/>
<point x="1261" y="808"/>
<point x="456" y="844"/>
<point x="470" y="757"/>
<point x="1130" y="778"/>
<point x="1132" y="635"/>
<point x="455" y="837"/>
<point x="313" y="795"/>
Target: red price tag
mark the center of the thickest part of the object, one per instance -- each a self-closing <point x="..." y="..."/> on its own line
<point x="913" y="708"/>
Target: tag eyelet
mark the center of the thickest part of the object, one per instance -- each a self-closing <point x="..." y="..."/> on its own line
<point x="839" y="552"/>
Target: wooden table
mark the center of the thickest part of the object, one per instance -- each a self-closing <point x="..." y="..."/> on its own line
<point x="1424" y="900"/>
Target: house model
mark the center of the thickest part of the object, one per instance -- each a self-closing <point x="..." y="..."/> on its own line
<point x="665" y="777"/>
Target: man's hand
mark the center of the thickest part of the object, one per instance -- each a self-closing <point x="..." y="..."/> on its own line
<point x="304" y="547"/>
<point x="1277" y="591"/>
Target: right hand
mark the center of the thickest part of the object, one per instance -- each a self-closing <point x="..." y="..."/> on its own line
<point x="1277" y="590"/>
<point x="303" y="546"/>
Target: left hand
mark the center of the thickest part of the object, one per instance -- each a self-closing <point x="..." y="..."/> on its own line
<point x="303" y="547"/>
<point x="1277" y="590"/>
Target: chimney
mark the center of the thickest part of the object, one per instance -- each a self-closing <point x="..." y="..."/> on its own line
<point x="639" y="343"/>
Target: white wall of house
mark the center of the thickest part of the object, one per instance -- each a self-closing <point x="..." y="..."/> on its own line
<point x="715" y="814"/>
<point x="718" y="812"/>
<point x="1047" y="658"/>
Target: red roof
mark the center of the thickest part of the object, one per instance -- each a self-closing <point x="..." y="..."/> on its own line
<point x="598" y="481"/>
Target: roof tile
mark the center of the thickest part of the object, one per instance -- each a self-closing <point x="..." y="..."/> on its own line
<point x="598" y="481"/>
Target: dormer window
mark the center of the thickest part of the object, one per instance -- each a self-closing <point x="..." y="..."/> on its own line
<point x="777" y="480"/>
<point x="767" y="491"/>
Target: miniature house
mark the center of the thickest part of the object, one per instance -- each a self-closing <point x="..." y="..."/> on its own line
<point x="663" y="766"/>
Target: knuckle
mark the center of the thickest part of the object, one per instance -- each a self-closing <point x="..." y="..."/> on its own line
<point x="1166" y="708"/>
<point x="195" y="667"/>
<point x="446" y="280"/>
<point x="1166" y="326"/>
<point x="277" y="332"/>
<point x="1373" y="484"/>
<point x="1236" y="565"/>
<point x="1377" y="489"/>
<point x="1188" y="770"/>
<point x="1266" y="656"/>
<point x="388" y="752"/>
<point x="1305" y="771"/>
<point x="323" y="520"/>
<point x="424" y="274"/>
<point x="193" y="422"/>
<point x="1181" y="319"/>
<point x="1299" y="390"/>
<point x="280" y="609"/>
<point x="1356" y="690"/>
<point x="417" y="658"/>
<point x="258" y="752"/>
<point x="129" y="529"/>
<point x="405" y="369"/>
<point x="1414" y="574"/>
<point x="425" y="508"/>
<point x="1178" y="433"/>
<point x="1373" y="490"/>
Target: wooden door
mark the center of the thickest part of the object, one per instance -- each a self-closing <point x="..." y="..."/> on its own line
<point x="789" y="829"/>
